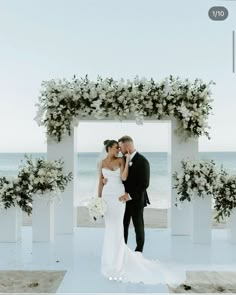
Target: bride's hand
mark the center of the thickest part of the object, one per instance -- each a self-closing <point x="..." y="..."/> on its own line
<point x="104" y="181"/>
<point x="127" y="155"/>
<point x="121" y="198"/>
<point x="124" y="198"/>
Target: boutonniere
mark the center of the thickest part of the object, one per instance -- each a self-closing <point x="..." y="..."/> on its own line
<point x="130" y="163"/>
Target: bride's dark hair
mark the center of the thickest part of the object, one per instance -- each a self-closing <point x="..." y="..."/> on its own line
<point x="109" y="143"/>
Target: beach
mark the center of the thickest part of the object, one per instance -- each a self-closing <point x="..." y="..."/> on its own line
<point x="21" y="281"/>
<point x="153" y="218"/>
<point x="159" y="187"/>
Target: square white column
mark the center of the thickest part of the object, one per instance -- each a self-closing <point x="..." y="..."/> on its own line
<point x="231" y="226"/>
<point x="180" y="220"/>
<point x="202" y="216"/>
<point x="64" y="209"/>
<point x="42" y="220"/>
<point x="10" y="224"/>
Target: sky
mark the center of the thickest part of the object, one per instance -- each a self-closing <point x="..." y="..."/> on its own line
<point x="42" y="40"/>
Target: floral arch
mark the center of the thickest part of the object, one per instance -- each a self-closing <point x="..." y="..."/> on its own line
<point x="63" y="104"/>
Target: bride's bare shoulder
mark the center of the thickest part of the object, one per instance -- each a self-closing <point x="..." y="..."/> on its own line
<point x="121" y="160"/>
<point x="101" y="164"/>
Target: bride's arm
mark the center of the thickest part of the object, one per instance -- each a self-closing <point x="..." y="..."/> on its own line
<point x="124" y="169"/>
<point x="100" y="181"/>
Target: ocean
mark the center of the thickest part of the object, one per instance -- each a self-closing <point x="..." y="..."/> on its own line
<point x="159" y="189"/>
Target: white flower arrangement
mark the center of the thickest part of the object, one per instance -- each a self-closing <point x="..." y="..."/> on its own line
<point x="39" y="178"/>
<point x="201" y="178"/>
<point x="225" y="196"/>
<point x="62" y="103"/>
<point x="46" y="178"/>
<point x="97" y="208"/>
<point x="197" y="178"/>
<point x="15" y="192"/>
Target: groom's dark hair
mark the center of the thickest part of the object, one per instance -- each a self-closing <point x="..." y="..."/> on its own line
<point x="125" y="139"/>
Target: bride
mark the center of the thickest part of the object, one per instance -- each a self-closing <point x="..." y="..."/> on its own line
<point x="119" y="262"/>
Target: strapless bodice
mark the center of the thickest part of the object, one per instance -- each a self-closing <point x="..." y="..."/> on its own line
<point x="114" y="183"/>
<point x="111" y="173"/>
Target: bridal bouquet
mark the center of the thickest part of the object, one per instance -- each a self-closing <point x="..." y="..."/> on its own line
<point x="196" y="178"/>
<point x="225" y="196"/>
<point x="97" y="208"/>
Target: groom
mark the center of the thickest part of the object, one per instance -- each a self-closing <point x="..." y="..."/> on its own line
<point x="135" y="186"/>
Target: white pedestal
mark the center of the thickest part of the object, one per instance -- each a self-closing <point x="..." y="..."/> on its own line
<point x="64" y="210"/>
<point x="10" y="224"/>
<point x="42" y="220"/>
<point x="202" y="219"/>
<point x="180" y="220"/>
<point x="231" y="224"/>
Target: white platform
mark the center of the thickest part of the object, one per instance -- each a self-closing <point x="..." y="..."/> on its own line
<point x="79" y="255"/>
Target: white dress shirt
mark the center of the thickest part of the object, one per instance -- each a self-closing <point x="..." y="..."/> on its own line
<point x="132" y="155"/>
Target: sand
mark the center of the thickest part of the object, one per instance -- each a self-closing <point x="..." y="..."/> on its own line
<point x="30" y="281"/>
<point x="153" y="218"/>
<point x="49" y="281"/>
<point x="208" y="282"/>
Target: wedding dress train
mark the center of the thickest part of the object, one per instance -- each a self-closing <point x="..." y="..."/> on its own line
<point x="119" y="262"/>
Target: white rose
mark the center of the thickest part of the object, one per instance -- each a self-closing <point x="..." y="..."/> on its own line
<point x="41" y="172"/>
<point x="187" y="177"/>
<point x="36" y="181"/>
<point x="31" y="177"/>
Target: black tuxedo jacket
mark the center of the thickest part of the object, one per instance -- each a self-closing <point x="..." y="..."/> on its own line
<point x="138" y="180"/>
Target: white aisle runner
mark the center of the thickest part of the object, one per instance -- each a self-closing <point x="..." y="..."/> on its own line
<point x="79" y="255"/>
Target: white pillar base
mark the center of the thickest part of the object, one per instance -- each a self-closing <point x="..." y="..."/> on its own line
<point x="202" y="220"/>
<point x="181" y="228"/>
<point x="231" y="225"/>
<point x="42" y="220"/>
<point x="10" y="224"/>
<point x="180" y="220"/>
<point x="64" y="209"/>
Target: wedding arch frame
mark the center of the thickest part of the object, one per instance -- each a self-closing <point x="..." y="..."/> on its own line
<point x="179" y="220"/>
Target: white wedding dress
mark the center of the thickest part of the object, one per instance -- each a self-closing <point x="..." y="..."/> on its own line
<point x="119" y="262"/>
